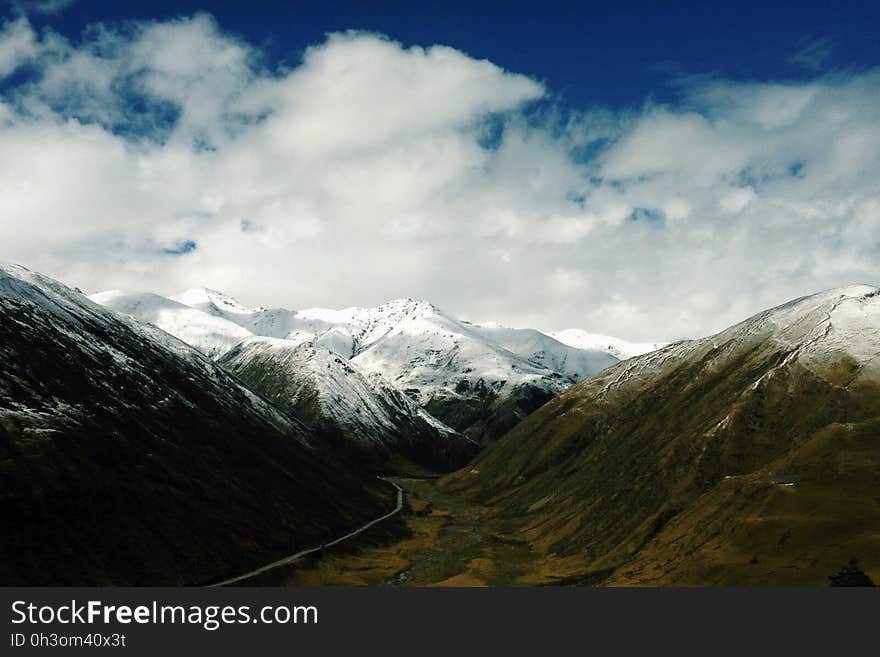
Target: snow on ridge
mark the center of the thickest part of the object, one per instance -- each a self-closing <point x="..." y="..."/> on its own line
<point x="845" y="319"/>
<point x="410" y="342"/>
<point x="622" y="349"/>
<point x="204" y="297"/>
<point x="802" y="319"/>
<point x="362" y="402"/>
<point x="211" y="334"/>
<point x="815" y="331"/>
<point x="782" y="315"/>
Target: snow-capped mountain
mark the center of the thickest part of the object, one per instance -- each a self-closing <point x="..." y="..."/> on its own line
<point x="268" y="322"/>
<point x="620" y="349"/>
<point x="360" y="412"/>
<point x="571" y="361"/>
<point x="128" y="457"/>
<point x="478" y="378"/>
<point x="352" y="332"/>
<point x="812" y="332"/>
<point x="210" y="334"/>
<point x="746" y="458"/>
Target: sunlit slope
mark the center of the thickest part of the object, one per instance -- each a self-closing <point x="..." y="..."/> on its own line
<point x="750" y="457"/>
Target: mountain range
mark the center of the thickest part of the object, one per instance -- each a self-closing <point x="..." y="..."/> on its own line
<point x="478" y="379"/>
<point x="131" y="456"/>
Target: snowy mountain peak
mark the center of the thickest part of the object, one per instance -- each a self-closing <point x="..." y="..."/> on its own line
<point x="111" y="432"/>
<point x="858" y="290"/>
<point x="133" y="302"/>
<point x="798" y="319"/>
<point x="408" y="305"/>
<point x="834" y="333"/>
<point x="209" y="333"/>
<point x="843" y="320"/>
<point x="332" y="394"/>
<point x="621" y="349"/>
<point x="416" y="347"/>
<point x="207" y="299"/>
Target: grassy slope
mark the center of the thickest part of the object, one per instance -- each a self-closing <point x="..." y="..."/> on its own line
<point x="644" y="486"/>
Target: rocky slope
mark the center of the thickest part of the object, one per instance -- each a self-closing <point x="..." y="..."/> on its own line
<point x="751" y="457"/>
<point x="127" y="457"/>
<point x="360" y="414"/>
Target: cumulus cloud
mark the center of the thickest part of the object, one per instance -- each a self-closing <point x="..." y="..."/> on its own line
<point x="163" y="155"/>
<point x="17" y="45"/>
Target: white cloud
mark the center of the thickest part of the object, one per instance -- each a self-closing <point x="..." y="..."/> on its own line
<point x="17" y="45"/>
<point x="363" y="173"/>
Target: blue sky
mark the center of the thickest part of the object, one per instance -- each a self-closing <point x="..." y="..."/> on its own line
<point x="649" y="172"/>
<point x="589" y="53"/>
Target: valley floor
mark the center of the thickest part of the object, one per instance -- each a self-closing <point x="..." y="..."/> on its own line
<point x="443" y="539"/>
<point x="438" y="540"/>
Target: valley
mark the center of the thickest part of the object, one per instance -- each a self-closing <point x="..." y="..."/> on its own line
<point x="445" y="539"/>
<point x="438" y="540"/>
<point x="148" y="440"/>
<point x="387" y="295"/>
<point x="749" y="458"/>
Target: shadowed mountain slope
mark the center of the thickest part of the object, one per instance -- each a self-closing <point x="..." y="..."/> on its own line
<point x="127" y="457"/>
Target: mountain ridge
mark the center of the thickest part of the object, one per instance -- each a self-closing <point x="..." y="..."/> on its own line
<point x="499" y="374"/>
<point x="727" y="460"/>
<point x="360" y="413"/>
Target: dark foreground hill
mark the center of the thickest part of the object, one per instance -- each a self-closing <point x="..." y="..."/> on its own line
<point x="748" y="458"/>
<point x="127" y="457"/>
